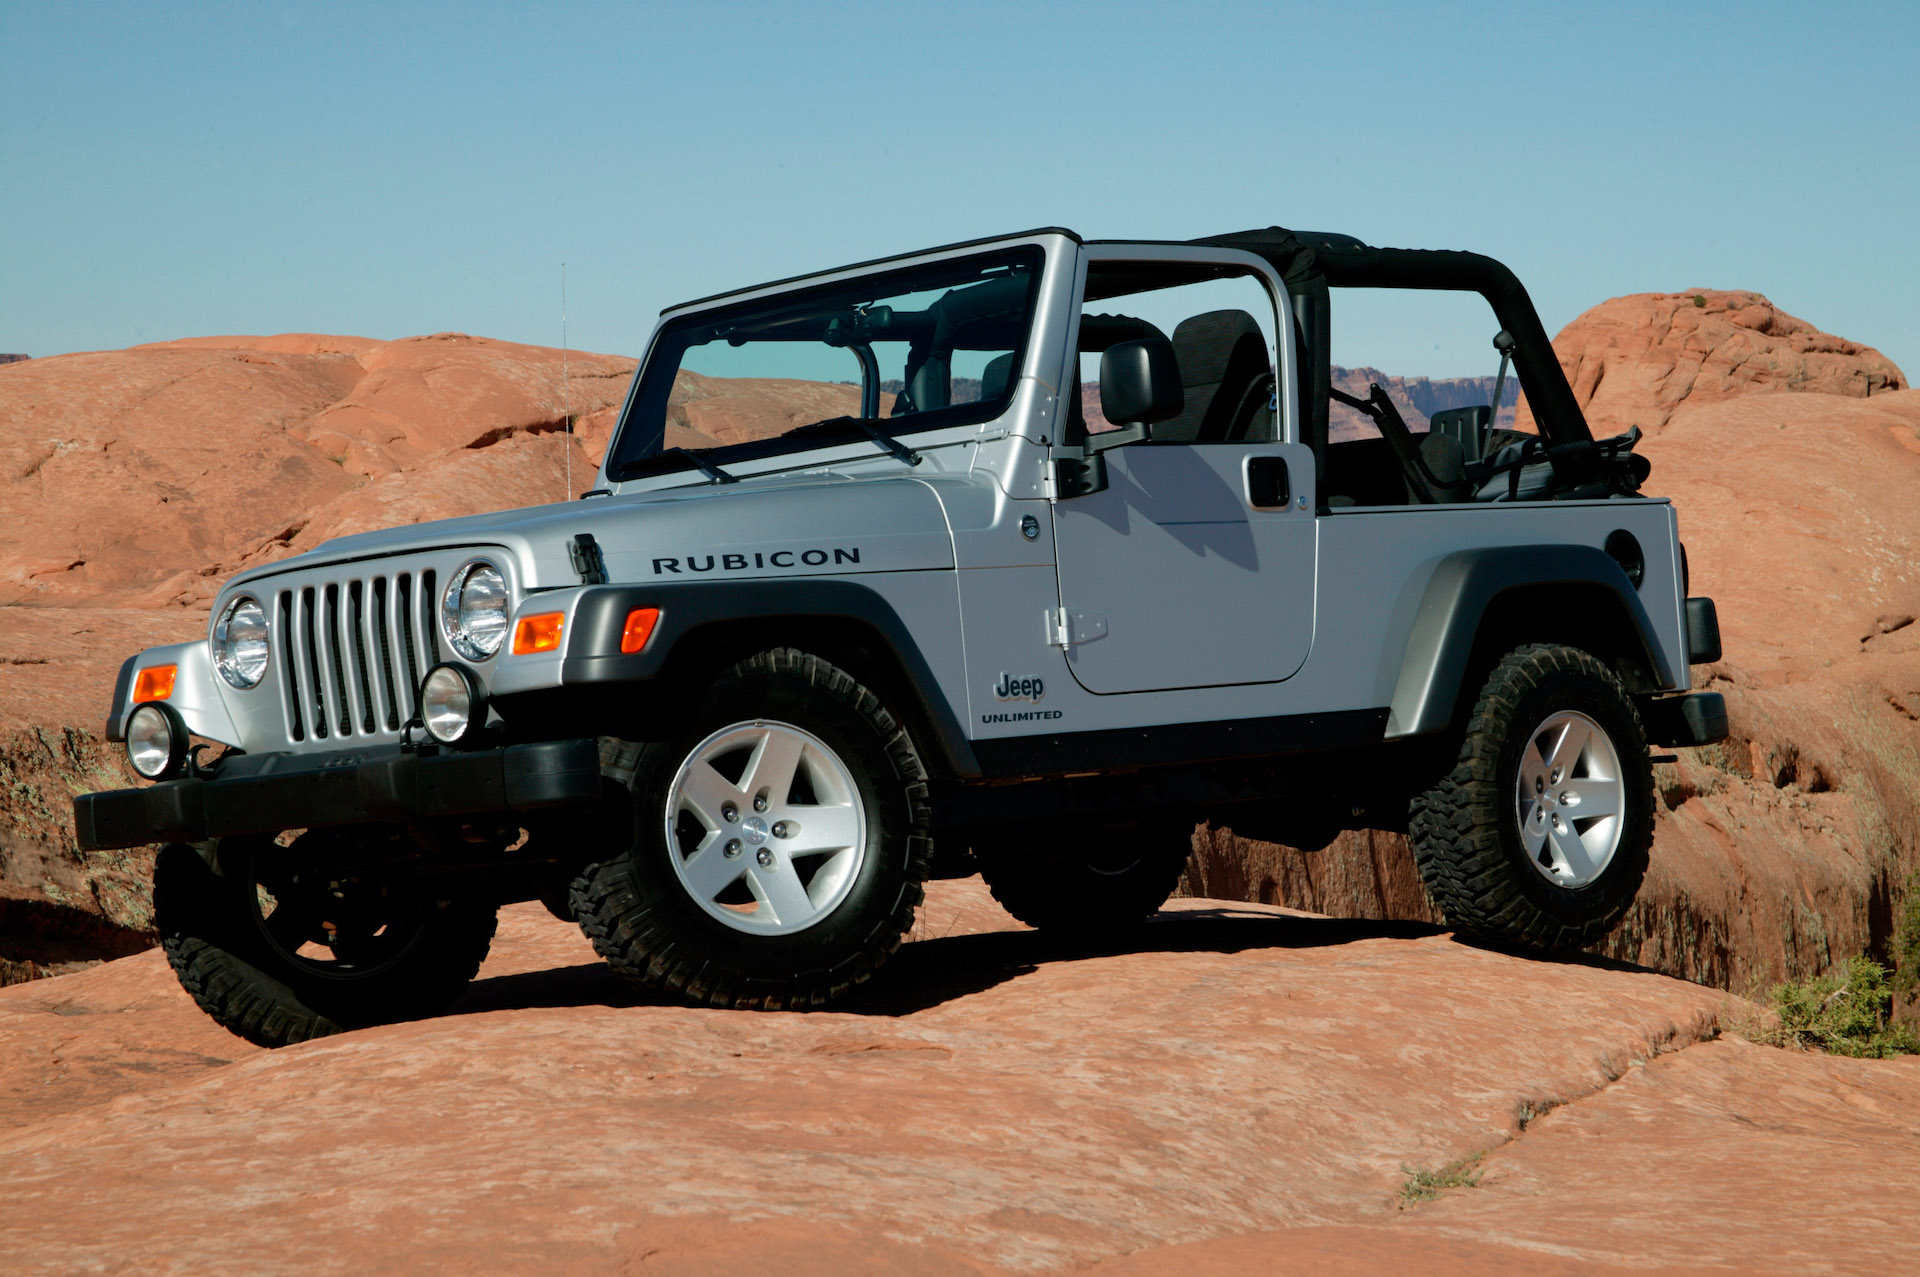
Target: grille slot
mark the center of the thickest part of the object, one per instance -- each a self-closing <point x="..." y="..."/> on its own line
<point x="357" y="629"/>
<point x="403" y="598"/>
<point x="383" y="644"/>
<point x="310" y="664"/>
<point x="283" y="642"/>
<point x="333" y="662"/>
<point x="429" y="632"/>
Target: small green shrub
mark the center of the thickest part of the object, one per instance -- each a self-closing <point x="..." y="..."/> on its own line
<point x="1699" y="299"/>
<point x="1903" y="947"/>
<point x="1425" y="1186"/>
<point x="1843" y="1012"/>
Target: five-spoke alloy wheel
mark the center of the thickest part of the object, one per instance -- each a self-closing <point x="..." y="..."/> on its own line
<point x="1568" y="798"/>
<point x="766" y="827"/>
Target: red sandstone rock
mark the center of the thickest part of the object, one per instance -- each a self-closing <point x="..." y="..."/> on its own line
<point x="146" y="476"/>
<point x="1633" y="361"/>
<point x="1027" y="1111"/>
<point x="1242" y="1085"/>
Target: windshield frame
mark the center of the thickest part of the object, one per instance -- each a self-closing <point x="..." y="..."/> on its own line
<point x="638" y="447"/>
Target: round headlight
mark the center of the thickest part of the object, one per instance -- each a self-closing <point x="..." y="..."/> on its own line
<point x="473" y="612"/>
<point x="156" y="741"/>
<point x="240" y="643"/>
<point x="453" y="704"/>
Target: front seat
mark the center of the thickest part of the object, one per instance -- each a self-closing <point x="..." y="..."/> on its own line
<point x="1223" y="365"/>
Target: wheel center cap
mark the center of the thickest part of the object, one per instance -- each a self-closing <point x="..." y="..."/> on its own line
<point x="754" y="830"/>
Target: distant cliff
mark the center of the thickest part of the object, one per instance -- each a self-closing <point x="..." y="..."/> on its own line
<point x="1417" y="398"/>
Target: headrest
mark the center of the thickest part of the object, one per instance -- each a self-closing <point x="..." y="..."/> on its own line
<point x="1204" y="344"/>
<point x="1209" y="348"/>
<point x="996" y="377"/>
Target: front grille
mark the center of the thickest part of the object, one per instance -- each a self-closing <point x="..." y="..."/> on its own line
<point x="354" y="652"/>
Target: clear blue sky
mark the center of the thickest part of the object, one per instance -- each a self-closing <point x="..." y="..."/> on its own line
<point x="177" y="170"/>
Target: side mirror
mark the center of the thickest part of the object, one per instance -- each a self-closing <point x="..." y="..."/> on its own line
<point x="1140" y="382"/>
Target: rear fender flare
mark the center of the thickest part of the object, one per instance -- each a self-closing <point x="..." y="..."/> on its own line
<point x="1441" y="644"/>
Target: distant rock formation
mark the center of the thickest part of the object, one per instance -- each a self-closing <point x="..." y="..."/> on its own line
<point x="1634" y="361"/>
<point x="144" y="477"/>
<point x="1417" y="398"/>
<point x="14" y="359"/>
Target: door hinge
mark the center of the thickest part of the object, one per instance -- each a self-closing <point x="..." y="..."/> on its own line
<point x="1065" y="627"/>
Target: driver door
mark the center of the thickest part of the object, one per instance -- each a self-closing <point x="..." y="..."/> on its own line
<point x="1194" y="565"/>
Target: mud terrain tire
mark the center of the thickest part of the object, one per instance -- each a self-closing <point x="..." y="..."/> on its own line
<point x="223" y="958"/>
<point x="1086" y="884"/>
<point x="1469" y="832"/>
<point x="676" y="911"/>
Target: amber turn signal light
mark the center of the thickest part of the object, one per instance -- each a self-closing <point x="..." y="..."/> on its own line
<point x="155" y="683"/>
<point x="639" y="629"/>
<point x="537" y="633"/>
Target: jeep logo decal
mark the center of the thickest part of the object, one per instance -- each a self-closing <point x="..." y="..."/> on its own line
<point x="1010" y="688"/>
<point x="758" y="559"/>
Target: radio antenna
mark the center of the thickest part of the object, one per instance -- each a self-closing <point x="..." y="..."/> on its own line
<point x="566" y="403"/>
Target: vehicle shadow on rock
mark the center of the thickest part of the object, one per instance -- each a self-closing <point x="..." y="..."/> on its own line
<point x="929" y="972"/>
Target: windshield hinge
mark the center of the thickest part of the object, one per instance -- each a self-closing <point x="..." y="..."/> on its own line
<point x="590" y="565"/>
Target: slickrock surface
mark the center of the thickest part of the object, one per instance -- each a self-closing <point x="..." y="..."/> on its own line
<point x="1242" y="1085"/>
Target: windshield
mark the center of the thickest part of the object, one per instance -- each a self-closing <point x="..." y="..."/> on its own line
<point x="903" y="351"/>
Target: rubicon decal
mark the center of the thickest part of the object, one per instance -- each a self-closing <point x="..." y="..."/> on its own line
<point x="757" y="559"/>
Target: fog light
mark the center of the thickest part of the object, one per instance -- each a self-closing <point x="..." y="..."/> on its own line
<point x="156" y="741"/>
<point x="453" y="704"/>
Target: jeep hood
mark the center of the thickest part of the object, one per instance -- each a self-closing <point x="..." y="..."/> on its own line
<point x="819" y="525"/>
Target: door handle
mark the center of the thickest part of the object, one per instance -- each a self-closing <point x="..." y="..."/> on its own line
<point x="1268" y="485"/>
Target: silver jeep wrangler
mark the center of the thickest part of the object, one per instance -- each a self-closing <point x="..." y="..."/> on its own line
<point x="1018" y="556"/>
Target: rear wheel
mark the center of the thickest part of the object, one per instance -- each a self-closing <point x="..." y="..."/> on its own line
<point x="283" y="944"/>
<point x="1086" y="882"/>
<point x="779" y="847"/>
<point x="1539" y="835"/>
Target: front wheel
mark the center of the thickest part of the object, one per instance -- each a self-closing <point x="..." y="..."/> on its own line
<point x="283" y="944"/>
<point x="779" y="847"/>
<point x="1539" y="835"/>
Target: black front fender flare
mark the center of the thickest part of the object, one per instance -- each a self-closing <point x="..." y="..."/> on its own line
<point x="594" y="657"/>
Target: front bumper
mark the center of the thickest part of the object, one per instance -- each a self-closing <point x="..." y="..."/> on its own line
<point x="1697" y="718"/>
<point x="354" y="788"/>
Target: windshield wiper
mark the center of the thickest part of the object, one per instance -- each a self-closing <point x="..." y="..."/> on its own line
<point x="871" y="431"/>
<point x="705" y="466"/>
